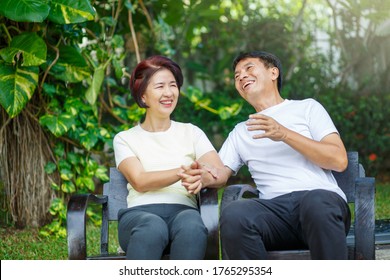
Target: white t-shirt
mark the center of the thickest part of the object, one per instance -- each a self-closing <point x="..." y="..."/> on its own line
<point x="180" y="145"/>
<point x="275" y="167"/>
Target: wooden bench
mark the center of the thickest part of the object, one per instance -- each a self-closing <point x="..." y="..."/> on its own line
<point x="360" y="192"/>
<point x="114" y="198"/>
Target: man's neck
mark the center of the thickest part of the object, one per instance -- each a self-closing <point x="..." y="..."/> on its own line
<point x="266" y="102"/>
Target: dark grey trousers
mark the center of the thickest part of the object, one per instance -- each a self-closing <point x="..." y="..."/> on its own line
<point x="318" y="220"/>
<point x="146" y="232"/>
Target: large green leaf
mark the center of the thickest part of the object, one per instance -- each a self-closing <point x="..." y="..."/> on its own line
<point x="32" y="48"/>
<point x="94" y="89"/>
<point x="229" y="111"/>
<point x="101" y="173"/>
<point x="194" y="94"/>
<point x="25" y="10"/>
<point x="66" y="174"/>
<point x="17" y="85"/>
<point x="58" y="125"/>
<point x="68" y="187"/>
<point x="89" y="138"/>
<point x="71" y="11"/>
<point x="70" y="67"/>
<point x="85" y="183"/>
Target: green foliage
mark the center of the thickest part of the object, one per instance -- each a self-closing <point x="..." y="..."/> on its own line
<point x="58" y="11"/>
<point x="28" y="45"/>
<point x="363" y="125"/>
<point x="17" y="85"/>
<point x="70" y="11"/>
<point x="198" y="99"/>
<point x="47" y="59"/>
<point x="26" y="11"/>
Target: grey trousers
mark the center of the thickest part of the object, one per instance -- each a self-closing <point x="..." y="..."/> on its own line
<point x="318" y="220"/>
<point x="146" y="232"/>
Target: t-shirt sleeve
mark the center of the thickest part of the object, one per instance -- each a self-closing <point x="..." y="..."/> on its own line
<point x="121" y="149"/>
<point x="229" y="153"/>
<point x="320" y="122"/>
<point x="202" y="144"/>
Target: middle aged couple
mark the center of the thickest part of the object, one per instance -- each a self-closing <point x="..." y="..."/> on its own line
<point x="289" y="146"/>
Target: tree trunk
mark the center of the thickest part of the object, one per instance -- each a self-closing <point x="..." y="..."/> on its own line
<point x="24" y="152"/>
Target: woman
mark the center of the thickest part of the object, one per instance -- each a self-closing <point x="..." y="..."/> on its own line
<point x="161" y="212"/>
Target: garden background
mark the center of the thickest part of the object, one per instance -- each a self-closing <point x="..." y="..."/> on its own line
<point x="64" y="70"/>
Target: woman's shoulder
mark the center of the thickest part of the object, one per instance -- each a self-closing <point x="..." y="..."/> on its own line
<point x="183" y="125"/>
<point x="128" y="132"/>
<point x="189" y="129"/>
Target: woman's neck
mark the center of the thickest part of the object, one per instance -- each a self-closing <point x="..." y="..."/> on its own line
<point x="156" y="125"/>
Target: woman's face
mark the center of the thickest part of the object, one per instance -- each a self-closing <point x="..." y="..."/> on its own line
<point x="161" y="94"/>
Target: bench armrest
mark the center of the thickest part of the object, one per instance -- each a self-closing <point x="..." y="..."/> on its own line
<point x="76" y="223"/>
<point x="365" y="218"/>
<point x="209" y="211"/>
<point x="235" y="192"/>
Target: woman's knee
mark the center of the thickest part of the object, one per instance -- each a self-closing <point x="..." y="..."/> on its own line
<point x="190" y="223"/>
<point x="146" y="226"/>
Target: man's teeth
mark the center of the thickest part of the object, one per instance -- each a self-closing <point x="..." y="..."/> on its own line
<point x="247" y="84"/>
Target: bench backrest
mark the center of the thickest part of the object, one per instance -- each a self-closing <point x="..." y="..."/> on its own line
<point x="346" y="179"/>
<point x="116" y="190"/>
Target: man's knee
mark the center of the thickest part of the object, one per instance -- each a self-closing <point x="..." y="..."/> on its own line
<point x="232" y="213"/>
<point x="236" y="219"/>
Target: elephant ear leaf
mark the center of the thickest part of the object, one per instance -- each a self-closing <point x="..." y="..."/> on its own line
<point x="71" y="66"/>
<point x="17" y="85"/>
<point x="28" y="47"/>
<point x="71" y="11"/>
<point x="26" y="10"/>
<point x="95" y="87"/>
<point x="58" y="125"/>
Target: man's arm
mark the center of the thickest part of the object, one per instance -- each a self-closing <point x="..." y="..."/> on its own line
<point x="329" y="153"/>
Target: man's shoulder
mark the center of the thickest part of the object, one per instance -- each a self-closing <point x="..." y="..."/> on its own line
<point x="240" y="125"/>
<point x="303" y="101"/>
<point x="238" y="128"/>
<point x="304" y="104"/>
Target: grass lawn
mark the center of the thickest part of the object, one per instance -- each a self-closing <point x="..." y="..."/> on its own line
<point x="382" y="202"/>
<point x="27" y="244"/>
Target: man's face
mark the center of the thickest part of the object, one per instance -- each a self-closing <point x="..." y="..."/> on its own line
<point x="252" y="78"/>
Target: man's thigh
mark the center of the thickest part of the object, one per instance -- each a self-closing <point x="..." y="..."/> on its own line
<point x="275" y="221"/>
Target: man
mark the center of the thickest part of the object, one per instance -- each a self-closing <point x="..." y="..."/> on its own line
<point x="290" y="148"/>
